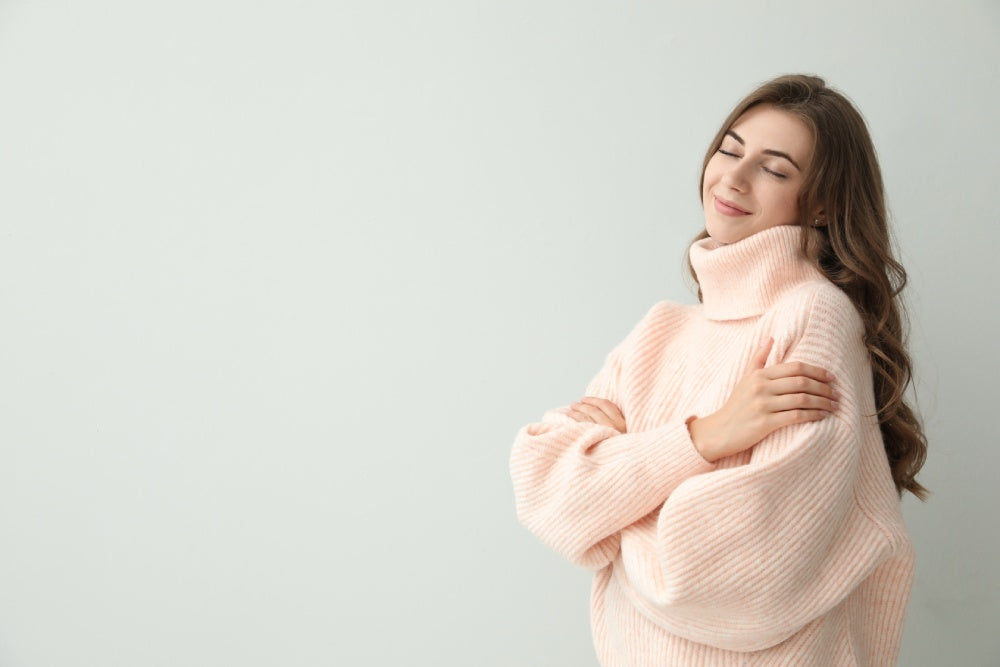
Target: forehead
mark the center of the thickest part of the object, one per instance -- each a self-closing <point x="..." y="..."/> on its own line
<point x="767" y="127"/>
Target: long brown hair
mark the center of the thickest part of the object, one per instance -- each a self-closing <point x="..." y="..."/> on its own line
<point x="852" y="248"/>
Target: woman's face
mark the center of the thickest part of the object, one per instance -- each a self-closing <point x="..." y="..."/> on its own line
<point x="752" y="182"/>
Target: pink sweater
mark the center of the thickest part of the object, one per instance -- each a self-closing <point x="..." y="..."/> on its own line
<point x="793" y="552"/>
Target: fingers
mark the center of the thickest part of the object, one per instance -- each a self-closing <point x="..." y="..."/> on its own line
<point x="578" y="416"/>
<point x="800" y="384"/>
<point x="601" y="411"/>
<point x="798" y="368"/>
<point x="760" y="358"/>
<point x="603" y="404"/>
<point x="589" y="411"/>
<point x="789" y="417"/>
<point x="803" y="402"/>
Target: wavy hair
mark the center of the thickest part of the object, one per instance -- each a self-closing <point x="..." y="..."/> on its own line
<point x="852" y="249"/>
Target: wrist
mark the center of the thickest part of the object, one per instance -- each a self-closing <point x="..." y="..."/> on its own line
<point x="696" y="429"/>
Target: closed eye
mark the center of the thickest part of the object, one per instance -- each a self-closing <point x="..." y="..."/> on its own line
<point x="770" y="171"/>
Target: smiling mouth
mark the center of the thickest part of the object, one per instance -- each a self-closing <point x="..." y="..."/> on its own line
<point x="728" y="208"/>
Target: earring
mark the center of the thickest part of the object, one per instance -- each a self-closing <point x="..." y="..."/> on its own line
<point x="817" y="223"/>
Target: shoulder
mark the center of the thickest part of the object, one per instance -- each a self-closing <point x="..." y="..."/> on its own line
<point x="665" y="313"/>
<point x="820" y="309"/>
<point x="825" y="329"/>
<point x="660" y="320"/>
<point x="650" y="332"/>
<point x="659" y="323"/>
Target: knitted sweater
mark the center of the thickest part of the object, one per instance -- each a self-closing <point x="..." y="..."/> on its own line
<point x="793" y="552"/>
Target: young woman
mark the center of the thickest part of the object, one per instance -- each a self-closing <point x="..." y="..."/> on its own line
<point x="733" y="475"/>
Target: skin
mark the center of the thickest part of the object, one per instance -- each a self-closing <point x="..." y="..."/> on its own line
<point x="765" y="187"/>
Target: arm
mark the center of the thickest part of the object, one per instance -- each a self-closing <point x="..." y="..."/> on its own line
<point x="577" y="484"/>
<point x="745" y="557"/>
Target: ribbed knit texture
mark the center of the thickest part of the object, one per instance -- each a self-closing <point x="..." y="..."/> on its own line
<point x="793" y="552"/>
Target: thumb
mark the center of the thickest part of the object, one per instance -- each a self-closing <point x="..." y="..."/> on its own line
<point x="760" y="356"/>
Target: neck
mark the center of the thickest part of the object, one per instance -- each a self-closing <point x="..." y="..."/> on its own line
<point x="743" y="279"/>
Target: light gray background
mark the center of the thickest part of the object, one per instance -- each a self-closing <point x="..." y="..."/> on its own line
<point x="281" y="280"/>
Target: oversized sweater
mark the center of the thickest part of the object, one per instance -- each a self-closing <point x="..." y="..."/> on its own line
<point x="793" y="552"/>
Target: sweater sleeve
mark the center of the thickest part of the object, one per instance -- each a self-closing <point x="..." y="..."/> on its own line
<point x="577" y="484"/>
<point x="745" y="557"/>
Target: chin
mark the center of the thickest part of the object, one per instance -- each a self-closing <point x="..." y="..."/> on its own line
<point x="727" y="233"/>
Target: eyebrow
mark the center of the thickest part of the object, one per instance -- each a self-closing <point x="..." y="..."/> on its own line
<point x="767" y="151"/>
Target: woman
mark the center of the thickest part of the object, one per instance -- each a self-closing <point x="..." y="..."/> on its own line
<point x="733" y="474"/>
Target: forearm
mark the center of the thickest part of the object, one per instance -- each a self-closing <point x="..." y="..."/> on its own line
<point x="577" y="484"/>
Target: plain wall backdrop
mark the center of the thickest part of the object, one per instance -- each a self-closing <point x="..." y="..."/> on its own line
<point x="280" y="281"/>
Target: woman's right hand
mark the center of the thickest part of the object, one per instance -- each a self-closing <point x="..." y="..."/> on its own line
<point x="764" y="400"/>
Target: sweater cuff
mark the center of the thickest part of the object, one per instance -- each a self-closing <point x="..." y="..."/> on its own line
<point x="687" y="426"/>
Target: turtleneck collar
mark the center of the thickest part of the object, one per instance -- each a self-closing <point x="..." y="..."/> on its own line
<point x="742" y="279"/>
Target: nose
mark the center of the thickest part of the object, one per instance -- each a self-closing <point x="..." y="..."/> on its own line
<point x="735" y="176"/>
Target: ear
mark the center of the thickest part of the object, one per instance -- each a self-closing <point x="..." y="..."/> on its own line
<point x="818" y="218"/>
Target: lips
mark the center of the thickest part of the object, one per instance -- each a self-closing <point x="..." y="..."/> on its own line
<point x="727" y="207"/>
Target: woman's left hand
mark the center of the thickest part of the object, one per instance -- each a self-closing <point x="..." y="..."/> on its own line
<point x="598" y="411"/>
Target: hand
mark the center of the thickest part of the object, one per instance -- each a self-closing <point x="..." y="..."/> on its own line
<point x="764" y="400"/>
<point x="598" y="411"/>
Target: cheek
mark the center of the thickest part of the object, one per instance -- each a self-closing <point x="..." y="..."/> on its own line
<point x="792" y="197"/>
<point x="711" y="177"/>
<point x="785" y="200"/>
